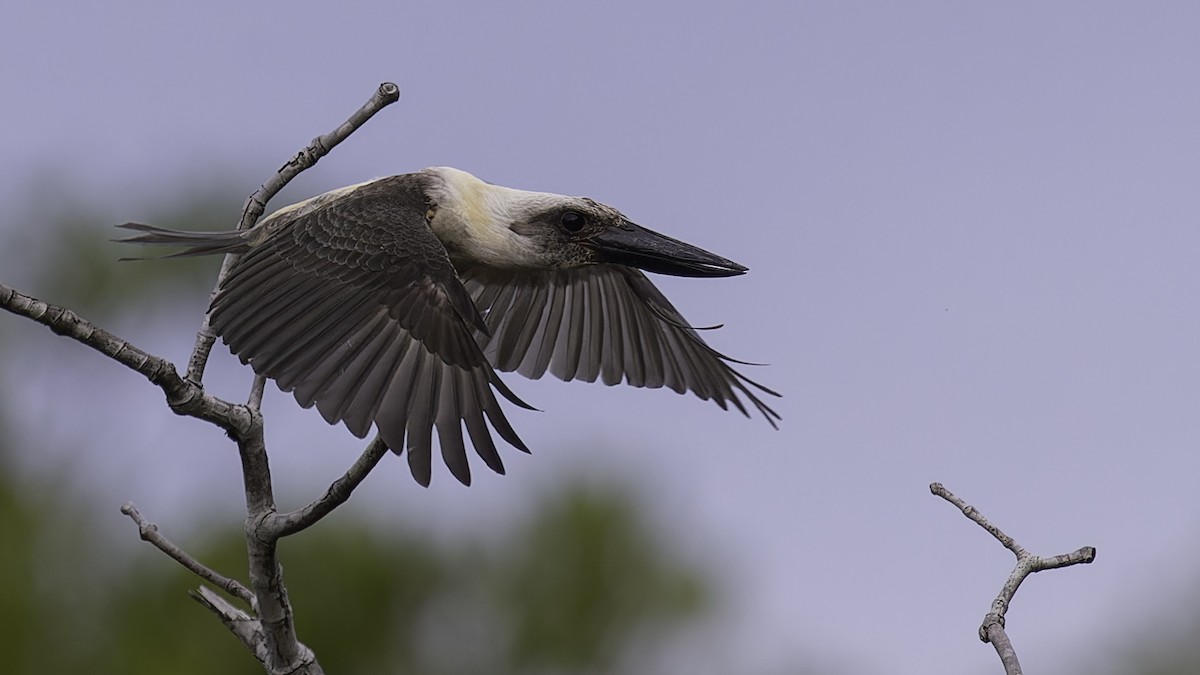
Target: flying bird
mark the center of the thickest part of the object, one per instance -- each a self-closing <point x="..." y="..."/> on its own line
<point x="394" y="302"/>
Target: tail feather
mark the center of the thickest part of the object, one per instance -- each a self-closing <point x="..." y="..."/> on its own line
<point x="196" y="243"/>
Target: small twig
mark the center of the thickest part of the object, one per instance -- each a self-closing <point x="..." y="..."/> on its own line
<point x="149" y="532"/>
<point x="992" y="629"/>
<point x="977" y="518"/>
<point x="256" y="392"/>
<point x="338" y="492"/>
<point x="242" y="625"/>
<point x="387" y="94"/>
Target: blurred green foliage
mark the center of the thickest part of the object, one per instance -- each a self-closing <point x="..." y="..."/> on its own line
<point x="567" y="591"/>
<point x="587" y="578"/>
<point x="82" y="268"/>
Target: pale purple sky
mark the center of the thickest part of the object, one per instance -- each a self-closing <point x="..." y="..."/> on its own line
<point x="971" y="229"/>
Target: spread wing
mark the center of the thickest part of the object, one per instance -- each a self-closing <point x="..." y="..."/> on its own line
<point x="604" y="322"/>
<point x="355" y="307"/>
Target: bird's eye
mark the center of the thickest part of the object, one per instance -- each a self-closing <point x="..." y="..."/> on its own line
<point x="572" y="221"/>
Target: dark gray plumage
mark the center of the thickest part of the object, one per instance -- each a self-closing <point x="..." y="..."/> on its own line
<point x="392" y="302"/>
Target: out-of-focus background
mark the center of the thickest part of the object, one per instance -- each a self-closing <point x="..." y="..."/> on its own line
<point x="972" y="234"/>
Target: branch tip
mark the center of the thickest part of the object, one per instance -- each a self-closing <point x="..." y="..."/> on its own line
<point x="149" y="532"/>
<point x="389" y="92"/>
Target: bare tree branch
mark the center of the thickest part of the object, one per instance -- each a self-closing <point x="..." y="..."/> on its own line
<point x="254" y="401"/>
<point x="336" y="495"/>
<point x="149" y="532"/>
<point x="387" y="94"/>
<point x="992" y="629"/>
<point x="271" y="635"/>
<point x="183" y="397"/>
<point x="285" y="653"/>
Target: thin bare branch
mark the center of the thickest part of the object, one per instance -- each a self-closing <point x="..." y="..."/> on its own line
<point x="387" y="94"/>
<point x="256" y="392"/>
<point x="338" y="492"/>
<point x="977" y="518"/>
<point x="66" y="323"/>
<point x="183" y="397"/>
<point x="992" y="629"/>
<point x="1081" y="556"/>
<point x="242" y="625"/>
<point x="149" y="532"/>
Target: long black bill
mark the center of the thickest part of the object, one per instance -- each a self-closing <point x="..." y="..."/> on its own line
<point x="636" y="246"/>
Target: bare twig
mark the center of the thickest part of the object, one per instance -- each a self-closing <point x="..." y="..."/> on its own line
<point x="992" y="629"/>
<point x="387" y="94"/>
<point x="290" y="523"/>
<point x="242" y="625"/>
<point x="254" y="402"/>
<point x="149" y="532"/>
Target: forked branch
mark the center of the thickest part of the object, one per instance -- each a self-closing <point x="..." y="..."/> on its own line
<point x="992" y="629"/>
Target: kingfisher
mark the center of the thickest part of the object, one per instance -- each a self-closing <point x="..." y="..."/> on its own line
<point x="393" y="303"/>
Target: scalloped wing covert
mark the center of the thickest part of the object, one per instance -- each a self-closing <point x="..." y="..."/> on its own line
<point x="354" y="306"/>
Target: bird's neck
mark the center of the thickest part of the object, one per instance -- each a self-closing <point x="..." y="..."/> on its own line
<point x="473" y="221"/>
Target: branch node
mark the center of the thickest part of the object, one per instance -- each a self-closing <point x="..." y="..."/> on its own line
<point x="282" y="525"/>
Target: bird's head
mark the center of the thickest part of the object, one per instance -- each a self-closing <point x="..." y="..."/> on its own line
<point x="503" y="227"/>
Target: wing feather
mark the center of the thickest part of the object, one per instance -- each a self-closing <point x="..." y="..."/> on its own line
<point x="604" y="322"/>
<point x="587" y="310"/>
<point x="538" y="360"/>
<point x="449" y="425"/>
